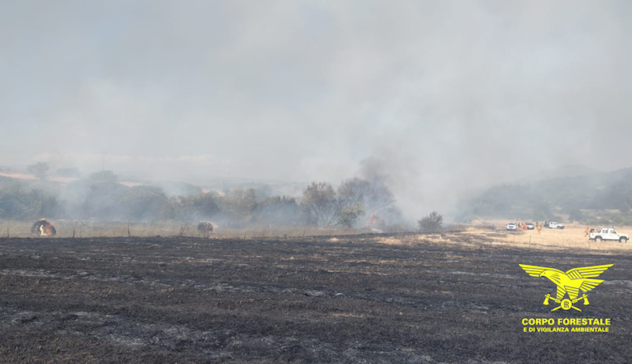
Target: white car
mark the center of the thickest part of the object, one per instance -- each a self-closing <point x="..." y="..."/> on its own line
<point x="512" y="226"/>
<point x="608" y="234"/>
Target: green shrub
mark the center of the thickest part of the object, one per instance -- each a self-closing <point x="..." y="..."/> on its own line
<point x="431" y="222"/>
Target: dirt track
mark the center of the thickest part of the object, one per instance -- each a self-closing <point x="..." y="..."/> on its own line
<point x="346" y="300"/>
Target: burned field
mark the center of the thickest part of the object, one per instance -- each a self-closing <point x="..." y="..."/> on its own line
<point x="351" y="299"/>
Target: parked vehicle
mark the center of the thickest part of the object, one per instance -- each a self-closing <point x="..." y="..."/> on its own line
<point x="553" y="225"/>
<point x="608" y="234"/>
<point x="530" y="226"/>
<point x="511" y="226"/>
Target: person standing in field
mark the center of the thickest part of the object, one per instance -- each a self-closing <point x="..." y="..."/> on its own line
<point x="587" y="230"/>
<point x="539" y="228"/>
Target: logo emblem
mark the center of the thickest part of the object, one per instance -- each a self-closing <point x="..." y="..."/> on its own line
<point x="569" y="283"/>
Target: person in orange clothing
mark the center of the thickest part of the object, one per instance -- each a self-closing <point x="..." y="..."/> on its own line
<point x="587" y="230"/>
<point x="539" y="228"/>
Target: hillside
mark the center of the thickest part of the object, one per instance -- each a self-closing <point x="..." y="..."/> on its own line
<point x="597" y="197"/>
<point x="571" y="170"/>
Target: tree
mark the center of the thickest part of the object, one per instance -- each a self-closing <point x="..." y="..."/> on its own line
<point x="326" y="207"/>
<point x="432" y="222"/>
<point x="278" y="210"/>
<point x="104" y="176"/>
<point x="374" y="195"/>
<point x="240" y="204"/>
<point x="200" y="207"/>
<point x="359" y="196"/>
<point x="20" y="202"/>
<point x="141" y="203"/>
<point x="38" y="169"/>
<point x="350" y="205"/>
<point x="103" y="200"/>
<point x="349" y="215"/>
<point x="320" y="205"/>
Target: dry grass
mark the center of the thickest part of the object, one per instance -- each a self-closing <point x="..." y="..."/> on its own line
<point x="83" y="229"/>
<point x="573" y="237"/>
<point x="494" y="233"/>
<point x="390" y="241"/>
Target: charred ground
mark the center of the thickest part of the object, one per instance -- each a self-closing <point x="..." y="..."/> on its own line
<point x="347" y="299"/>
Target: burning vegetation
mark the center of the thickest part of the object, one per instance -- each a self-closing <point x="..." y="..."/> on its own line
<point x="43" y="228"/>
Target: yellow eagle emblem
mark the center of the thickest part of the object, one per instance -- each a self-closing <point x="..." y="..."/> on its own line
<point x="570" y="282"/>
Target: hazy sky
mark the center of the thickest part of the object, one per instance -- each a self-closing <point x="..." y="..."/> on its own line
<point x="439" y="96"/>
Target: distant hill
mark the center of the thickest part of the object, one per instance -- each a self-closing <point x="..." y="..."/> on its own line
<point x="594" y="196"/>
<point x="572" y="170"/>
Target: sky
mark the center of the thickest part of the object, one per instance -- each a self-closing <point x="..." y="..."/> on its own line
<point x="436" y="97"/>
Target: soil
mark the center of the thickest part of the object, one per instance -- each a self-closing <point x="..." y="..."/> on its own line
<point x="346" y="299"/>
